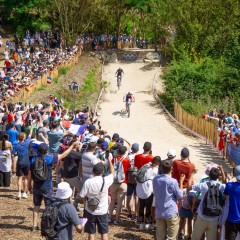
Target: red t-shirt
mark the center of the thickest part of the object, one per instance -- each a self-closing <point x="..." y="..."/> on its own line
<point x="10" y="118"/>
<point x="126" y="165"/>
<point x="7" y="63"/>
<point x="180" y="167"/>
<point x="141" y="160"/>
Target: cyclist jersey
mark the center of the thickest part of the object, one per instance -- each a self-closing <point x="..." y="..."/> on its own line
<point x="129" y="98"/>
<point x="119" y="72"/>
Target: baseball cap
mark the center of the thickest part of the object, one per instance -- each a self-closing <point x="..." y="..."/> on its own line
<point x="147" y="146"/>
<point x="171" y="153"/>
<point x="135" y="148"/>
<point x="185" y="152"/>
<point x="98" y="168"/>
<point x="104" y="146"/>
<point x="237" y="172"/>
<point x="209" y="167"/>
<point x="120" y="141"/>
<point x="115" y="136"/>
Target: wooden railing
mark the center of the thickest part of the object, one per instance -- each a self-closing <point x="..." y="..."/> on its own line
<point x="198" y="125"/>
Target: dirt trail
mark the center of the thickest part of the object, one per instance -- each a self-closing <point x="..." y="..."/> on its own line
<point x="147" y="121"/>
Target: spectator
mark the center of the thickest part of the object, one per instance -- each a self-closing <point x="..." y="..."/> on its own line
<point x="167" y="192"/>
<point x="13" y="133"/>
<point x="23" y="165"/>
<point x="43" y="132"/>
<point x="145" y="157"/>
<point x="88" y="161"/>
<point x="44" y="190"/>
<point x="232" y="191"/>
<point x="206" y="223"/>
<point x="183" y="166"/>
<point x="171" y="154"/>
<point x="91" y="188"/>
<point x="119" y="187"/>
<point x="71" y="164"/>
<point x="145" y="193"/>
<point x="132" y="183"/>
<point x="67" y="214"/>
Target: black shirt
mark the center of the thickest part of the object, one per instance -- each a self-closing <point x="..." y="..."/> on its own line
<point x="71" y="164"/>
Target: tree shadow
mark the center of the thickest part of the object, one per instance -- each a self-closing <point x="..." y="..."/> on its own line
<point x="14" y="226"/>
<point x="13" y="217"/>
<point x="149" y="67"/>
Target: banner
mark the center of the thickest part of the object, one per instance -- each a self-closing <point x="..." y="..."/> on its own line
<point x="233" y="153"/>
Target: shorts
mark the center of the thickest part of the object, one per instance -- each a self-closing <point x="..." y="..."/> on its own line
<point x="5" y="179"/>
<point x="39" y="195"/>
<point x="101" y="221"/>
<point x="22" y="170"/>
<point x="131" y="189"/>
<point x="185" y="213"/>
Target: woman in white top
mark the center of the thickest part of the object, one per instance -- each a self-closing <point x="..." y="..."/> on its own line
<point x="5" y="162"/>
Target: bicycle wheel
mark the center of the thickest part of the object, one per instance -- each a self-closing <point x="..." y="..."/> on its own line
<point x="118" y="83"/>
<point x="128" y="110"/>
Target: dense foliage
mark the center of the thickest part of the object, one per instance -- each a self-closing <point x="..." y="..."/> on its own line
<point x="203" y="37"/>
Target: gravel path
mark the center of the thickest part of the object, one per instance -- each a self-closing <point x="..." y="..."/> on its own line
<point x="148" y="121"/>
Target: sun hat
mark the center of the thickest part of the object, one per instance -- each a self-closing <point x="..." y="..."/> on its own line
<point x="64" y="191"/>
<point x="171" y="153"/>
<point x="209" y="167"/>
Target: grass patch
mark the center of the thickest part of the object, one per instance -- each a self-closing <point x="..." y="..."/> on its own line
<point x="89" y="82"/>
<point x="56" y="79"/>
<point x="43" y="87"/>
<point x="63" y="70"/>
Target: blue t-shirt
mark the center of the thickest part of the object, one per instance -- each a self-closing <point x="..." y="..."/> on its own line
<point x="232" y="190"/>
<point x="47" y="184"/>
<point x="13" y="134"/>
<point x="21" y="150"/>
<point x="54" y="140"/>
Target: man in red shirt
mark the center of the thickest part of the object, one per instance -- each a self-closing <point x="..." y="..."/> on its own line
<point x="119" y="186"/>
<point x="145" y="157"/>
<point x="185" y="167"/>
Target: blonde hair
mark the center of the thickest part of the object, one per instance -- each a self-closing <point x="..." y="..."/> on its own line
<point x="21" y="136"/>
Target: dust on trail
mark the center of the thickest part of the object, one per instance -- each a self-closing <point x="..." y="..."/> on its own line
<point x="147" y="121"/>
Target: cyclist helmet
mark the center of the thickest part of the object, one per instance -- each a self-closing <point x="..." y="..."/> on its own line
<point x="130" y="93"/>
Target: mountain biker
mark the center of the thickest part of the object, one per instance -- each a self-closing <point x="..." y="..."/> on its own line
<point x="129" y="98"/>
<point x="119" y="72"/>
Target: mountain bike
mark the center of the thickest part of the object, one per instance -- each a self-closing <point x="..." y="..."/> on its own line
<point x="119" y="79"/>
<point x="127" y="111"/>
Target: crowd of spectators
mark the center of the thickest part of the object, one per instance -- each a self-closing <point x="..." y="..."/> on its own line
<point x="228" y="126"/>
<point x="28" y="59"/>
<point x="105" y="169"/>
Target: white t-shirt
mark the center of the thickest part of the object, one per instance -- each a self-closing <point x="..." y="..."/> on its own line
<point x="144" y="190"/>
<point x="92" y="187"/>
<point x="88" y="161"/>
<point x="19" y="117"/>
<point x="5" y="161"/>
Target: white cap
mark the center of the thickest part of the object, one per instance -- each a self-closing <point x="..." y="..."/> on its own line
<point x="64" y="191"/>
<point x="171" y="153"/>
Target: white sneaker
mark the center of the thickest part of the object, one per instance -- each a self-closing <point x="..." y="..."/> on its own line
<point x="19" y="196"/>
<point x="142" y="226"/>
<point x="25" y="195"/>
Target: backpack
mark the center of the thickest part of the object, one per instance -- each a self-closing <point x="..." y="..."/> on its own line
<point x="213" y="201"/>
<point x="103" y="156"/>
<point x="87" y="140"/>
<point x="39" y="169"/>
<point x="142" y="172"/>
<point x="49" y="220"/>
<point x="132" y="175"/>
<point x="119" y="175"/>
